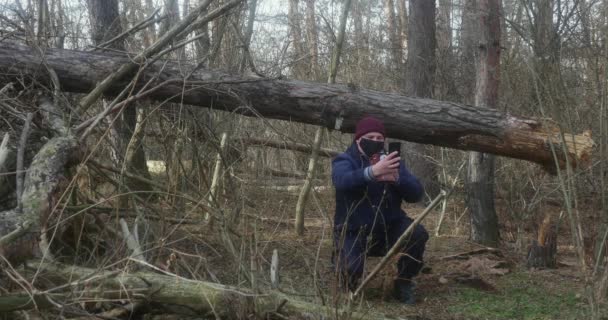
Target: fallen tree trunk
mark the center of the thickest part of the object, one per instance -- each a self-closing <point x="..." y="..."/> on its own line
<point x="294" y="146"/>
<point x="43" y="187"/>
<point x="221" y="301"/>
<point x="334" y="106"/>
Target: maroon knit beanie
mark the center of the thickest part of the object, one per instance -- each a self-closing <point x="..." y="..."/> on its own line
<point x="369" y="124"/>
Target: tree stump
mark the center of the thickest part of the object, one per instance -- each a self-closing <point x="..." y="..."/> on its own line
<point x="543" y="251"/>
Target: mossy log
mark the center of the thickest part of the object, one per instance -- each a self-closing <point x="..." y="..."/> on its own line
<point x="43" y="187"/>
<point x="203" y="298"/>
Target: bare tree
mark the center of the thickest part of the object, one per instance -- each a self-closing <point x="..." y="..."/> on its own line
<point x="420" y="70"/>
<point x="480" y="174"/>
<point x="402" y="14"/>
<point x="246" y="58"/>
<point x="393" y="34"/>
<point x="296" y="38"/>
<point x="105" y="22"/>
<point x="105" y="25"/>
<point x="312" y="37"/>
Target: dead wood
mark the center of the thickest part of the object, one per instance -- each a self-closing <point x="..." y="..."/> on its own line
<point x="43" y="188"/>
<point x="294" y="146"/>
<point x="542" y="253"/>
<point x="467" y="254"/>
<point x="225" y="302"/>
<point x="418" y="120"/>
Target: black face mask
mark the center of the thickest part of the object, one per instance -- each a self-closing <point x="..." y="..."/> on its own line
<point x="371" y="147"/>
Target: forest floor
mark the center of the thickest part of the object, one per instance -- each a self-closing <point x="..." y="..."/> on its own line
<point x="490" y="285"/>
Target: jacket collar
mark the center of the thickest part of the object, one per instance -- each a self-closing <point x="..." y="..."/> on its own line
<point x="353" y="152"/>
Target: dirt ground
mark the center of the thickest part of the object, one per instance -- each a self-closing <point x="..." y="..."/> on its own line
<point x="481" y="285"/>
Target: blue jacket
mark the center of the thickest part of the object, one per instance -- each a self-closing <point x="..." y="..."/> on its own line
<point x="368" y="204"/>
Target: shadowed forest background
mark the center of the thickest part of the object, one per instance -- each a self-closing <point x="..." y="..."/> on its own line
<point x="171" y="159"/>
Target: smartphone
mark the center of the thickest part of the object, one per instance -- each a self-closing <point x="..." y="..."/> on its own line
<point x="394" y="146"/>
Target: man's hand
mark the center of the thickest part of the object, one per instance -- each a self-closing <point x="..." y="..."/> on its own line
<point x="389" y="177"/>
<point x="387" y="169"/>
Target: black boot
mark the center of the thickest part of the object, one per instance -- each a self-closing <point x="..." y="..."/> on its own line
<point x="404" y="291"/>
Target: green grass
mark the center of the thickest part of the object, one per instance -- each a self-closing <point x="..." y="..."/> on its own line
<point x="520" y="296"/>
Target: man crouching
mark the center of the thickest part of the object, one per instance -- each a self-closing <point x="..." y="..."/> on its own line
<point x="368" y="220"/>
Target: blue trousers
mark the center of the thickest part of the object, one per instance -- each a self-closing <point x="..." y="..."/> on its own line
<point x="352" y="248"/>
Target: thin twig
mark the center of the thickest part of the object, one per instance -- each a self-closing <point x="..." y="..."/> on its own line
<point x="125" y="69"/>
<point x="399" y="243"/>
<point x="4" y="151"/>
<point x="131" y="240"/>
<point x="20" y="176"/>
<point x="141" y="25"/>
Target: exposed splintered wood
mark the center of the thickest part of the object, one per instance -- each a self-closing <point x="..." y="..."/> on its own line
<point x="543" y="251"/>
<point x="418" y="120"/>
<point x="205" y="298"/>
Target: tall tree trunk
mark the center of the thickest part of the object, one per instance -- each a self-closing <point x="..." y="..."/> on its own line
<point x="446" y="86"/>
<point x="444" y="25"/>
<point x="312" y="164"/>
<point x="59" y="25"/>
<point x="312" y="38"/>
<point x="219" y="31"/>
<point x="361" y="43"/>
<point x="105" y="25"/>
<point x="419" y="83"/>
<point x="150" y="33"/>
<point x="393" y="34"/>
<point x="105" y="22"/>
<point x="175" y="145"/>
<point x="172" y="12"/>
<point x="480" y="174"/>
<point x="43" y="22"/>
<point x="203" y="44"/>
<point x="402" y="14"/>
<point x="296" y="38"/>
<point x="247" y="36"/>
<point x="468" y="39"/>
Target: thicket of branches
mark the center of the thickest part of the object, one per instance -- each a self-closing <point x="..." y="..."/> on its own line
<point x="157" y="190"/>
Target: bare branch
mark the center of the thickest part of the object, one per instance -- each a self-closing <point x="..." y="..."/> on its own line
<point x="20" y="154"/>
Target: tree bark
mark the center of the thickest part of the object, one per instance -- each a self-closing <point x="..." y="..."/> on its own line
<point x="418" y="120"/>
<point x="296" y="32"/>
<point x="323" y="152"/>
<point x="444" y="23"/>
<point x="467" y="59"/>
<point x="393" y="33"/>
<point x="105" y="25"/>
<point x="542" y="253"/>
<point x="201" y="297"/>
<point x="361" y="40"/>
<point x="402" y="14"/>
<point x="105" y="22"/>
<point x="247" y="37"/>
<point x="419" y="83"/>
<point x="44" y="184"/>
<point x="312" y="38"/>
<point x="480" y="174"/>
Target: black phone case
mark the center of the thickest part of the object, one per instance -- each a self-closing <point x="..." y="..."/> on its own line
<point x="394" y="146"/>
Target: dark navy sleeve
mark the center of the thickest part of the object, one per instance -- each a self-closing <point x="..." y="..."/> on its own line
<point x="345" y="175"/>
<point x="409" y="187"/>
